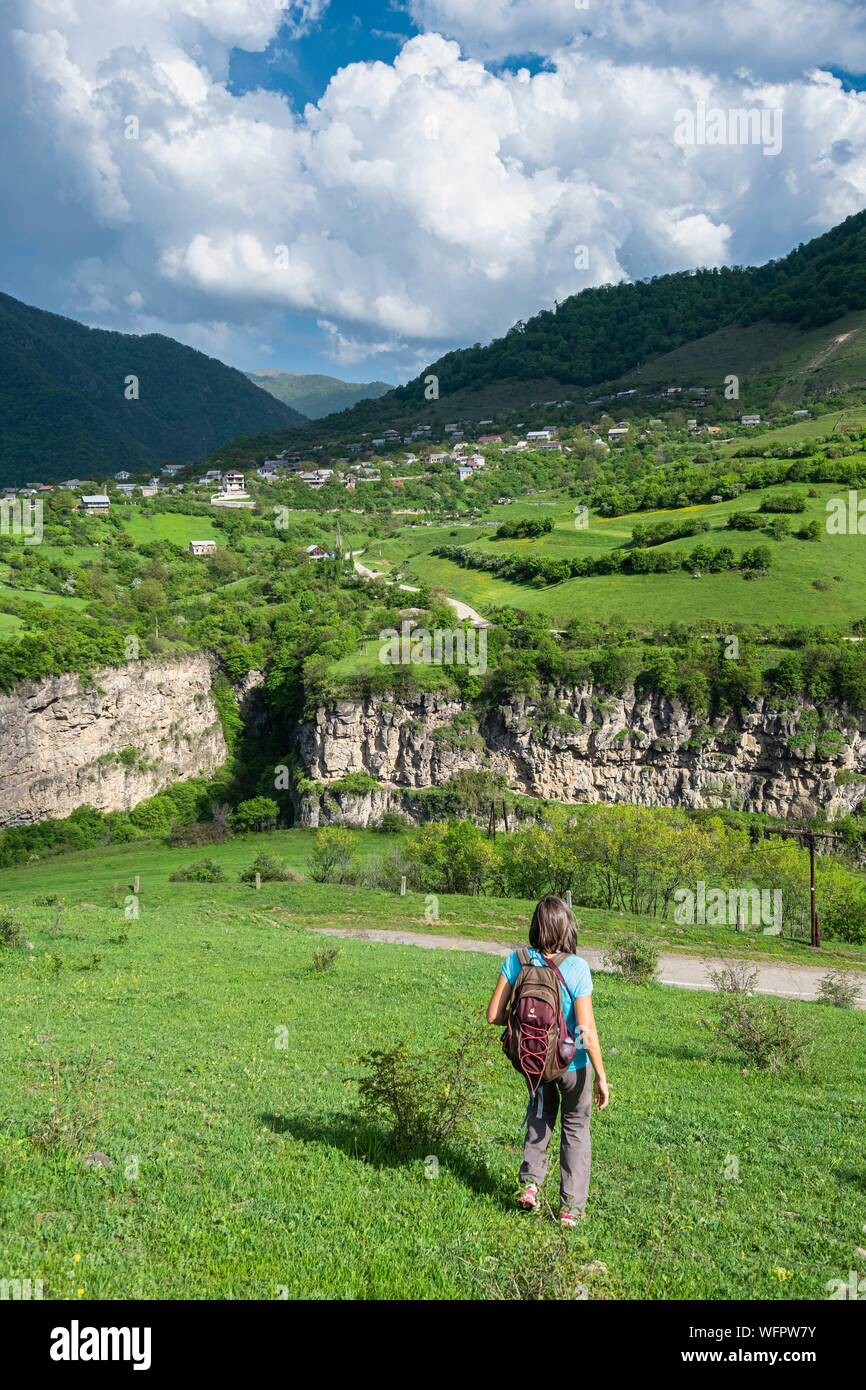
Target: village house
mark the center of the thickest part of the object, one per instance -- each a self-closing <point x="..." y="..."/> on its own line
<point x="318" y="478"/>
<point x="750" y="419"/>
<point x="95" y="505"/>
<point x="233" y="492"/>
<point x="316" y="552"/>
<point x="463" y="472"/>
<point x="202" y="547"/>
<point x="122" y="476"/>
<point x="548" y="433"/>
<point x="490" y="439"/>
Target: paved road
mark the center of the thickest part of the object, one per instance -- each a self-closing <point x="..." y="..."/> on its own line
<point x="687" y="972"/>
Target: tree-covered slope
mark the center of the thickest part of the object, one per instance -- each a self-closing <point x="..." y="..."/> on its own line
<point x="316" y="395"/>
<point x="63" y="405"/>
<point x="600" y="334"/>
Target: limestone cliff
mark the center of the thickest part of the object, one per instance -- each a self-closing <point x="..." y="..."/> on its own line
<point x="107" y="743"/>
<point x="581" y="745"/>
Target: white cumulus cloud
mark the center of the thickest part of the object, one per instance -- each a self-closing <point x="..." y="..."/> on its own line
<point x="423" y="202"/>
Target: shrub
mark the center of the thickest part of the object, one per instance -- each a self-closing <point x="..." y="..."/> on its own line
<point x="205" y="871"/>
<point x="391" y="823"/>
<point x="840" y="988"/>
<point x="271" y="870"/>
<point x="199" y="833"/>
<point x="74" y="1086"/>
<point x="325" y="959"/>
<point x="10" y="931"/>
<point x="424" y="1098"/>
<point x="765" y="1032"/>
<point x="386" y="871"/>
<point x="155" y="815"/>
<point x="46" y="900"/>
<point x="734" y="977"/>
<point x="332" y="856"/>
<point x="259" y="813"/>
<point x="355" y="784"/>
<point x="633" y="958"/>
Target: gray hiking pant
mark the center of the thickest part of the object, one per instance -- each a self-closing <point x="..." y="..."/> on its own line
<point x="574" y="1090"/>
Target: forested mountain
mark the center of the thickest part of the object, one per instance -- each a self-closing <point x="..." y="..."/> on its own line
<point x="63" y="399"/>
<point x="315" y="395"/>
<point x="600" y="334"/>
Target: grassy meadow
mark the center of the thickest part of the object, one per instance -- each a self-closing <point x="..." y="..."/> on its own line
<point x="239" y="1167"/>
<point x="786" y="595"/>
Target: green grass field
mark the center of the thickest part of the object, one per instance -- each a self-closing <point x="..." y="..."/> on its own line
<point x="239" y="1168"/>
<point x="787" y="595"/>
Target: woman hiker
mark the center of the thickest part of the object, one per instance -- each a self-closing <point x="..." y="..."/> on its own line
<point x="553" y="943"/>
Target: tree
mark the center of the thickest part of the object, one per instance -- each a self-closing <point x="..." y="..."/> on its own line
<point x="259" y="813"/>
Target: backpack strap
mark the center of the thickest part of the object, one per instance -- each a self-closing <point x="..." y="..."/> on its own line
<point x="551" y="963"/>
<point x="523" y="957"/>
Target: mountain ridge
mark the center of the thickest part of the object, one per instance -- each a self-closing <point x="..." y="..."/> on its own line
<point x="65" y="406"/>
<point x="314" y="394"/>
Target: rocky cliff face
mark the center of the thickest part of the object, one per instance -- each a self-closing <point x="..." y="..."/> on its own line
<point x="646" y="750"/>
<point x="110" y="743"/>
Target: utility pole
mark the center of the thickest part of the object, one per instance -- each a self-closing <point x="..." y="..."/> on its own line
<point x="808" y="838"/>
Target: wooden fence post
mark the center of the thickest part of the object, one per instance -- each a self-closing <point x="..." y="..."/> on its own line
<point x="403" y="886"/>
<point x="135" y="884"/>
<point x="258" y="882"/>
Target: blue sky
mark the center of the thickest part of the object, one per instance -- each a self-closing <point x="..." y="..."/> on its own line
<point x="302" y="68"/>
<point x="355" y="189"/>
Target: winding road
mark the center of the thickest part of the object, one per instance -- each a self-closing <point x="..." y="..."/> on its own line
<point x="465" y="614"/>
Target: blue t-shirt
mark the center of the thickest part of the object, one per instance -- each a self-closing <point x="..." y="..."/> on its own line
<point x="576" y="974"/>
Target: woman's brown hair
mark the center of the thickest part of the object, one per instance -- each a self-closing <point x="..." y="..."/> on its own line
<point x="552" y="927"/>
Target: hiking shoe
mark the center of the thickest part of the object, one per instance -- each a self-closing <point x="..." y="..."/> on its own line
<point x="529" y="1198"/>
<point x="569" y="1218"/>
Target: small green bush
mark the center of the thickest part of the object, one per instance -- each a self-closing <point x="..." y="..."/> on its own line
<point x="734" y="977"/>
<point x="259" y="813"/>
<point x="765" y="1033"/>
<point x="427" y="1098"/>
<point x="270" y="869"/>
<point x="839" y="988"/>
<point x="10" y="931"/>
<point x="205" y="871"/>
<point x="391" y="823"/>
<point x="633" y="958"/>
<point x="332" y="858"/>
<point x="326" y="958"/>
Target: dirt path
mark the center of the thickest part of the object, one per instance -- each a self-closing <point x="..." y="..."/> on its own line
<point x="686" y="972"/>
<point x="465" y="614"/>
<point x="820" y="358"/>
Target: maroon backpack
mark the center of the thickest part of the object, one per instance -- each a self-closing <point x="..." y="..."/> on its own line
<point x="536" y="1040"/>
